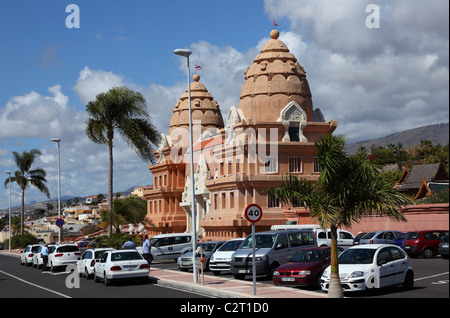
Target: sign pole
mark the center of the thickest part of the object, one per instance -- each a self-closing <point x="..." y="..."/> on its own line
<point x="253" y="213"/>
<point x="253" y="258"/>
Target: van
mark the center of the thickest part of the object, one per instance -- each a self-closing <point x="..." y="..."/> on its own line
<point x="344" y="238"/>
<point x="272" y="249"/>
<point x="170" y="246"/>
<point x="284" y="227"/>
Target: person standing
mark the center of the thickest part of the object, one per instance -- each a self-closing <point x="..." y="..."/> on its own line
<point x="44" y="252"/>
<point x="129" y="244"/>
<point x="146" y="247"/>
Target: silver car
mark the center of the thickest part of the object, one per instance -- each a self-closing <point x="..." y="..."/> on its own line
<point x="379" y="237"/>
<point x="184" y="262"/>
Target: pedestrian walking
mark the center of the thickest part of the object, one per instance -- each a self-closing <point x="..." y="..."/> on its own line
<point x="129" y="244"/>
<point x="146" y="247"/>
<point x="44" y="252"/>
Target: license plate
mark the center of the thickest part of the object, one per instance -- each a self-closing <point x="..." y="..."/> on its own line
<point x="288" y="279"/>
<point x="244" y="271"/>
<point x="186" y="263"/>
<point x="407" y="247"/>
<point x="130" y="267"/>
<point x="221" y="265"/>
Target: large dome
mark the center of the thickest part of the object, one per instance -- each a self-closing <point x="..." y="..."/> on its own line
<point x="273" y="80"/>
<point x="204" y="109"/>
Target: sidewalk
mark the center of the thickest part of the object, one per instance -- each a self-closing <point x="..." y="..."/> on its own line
<point x="217" y="286"/>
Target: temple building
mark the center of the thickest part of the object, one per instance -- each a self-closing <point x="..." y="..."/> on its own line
<point x="270" y="134"/>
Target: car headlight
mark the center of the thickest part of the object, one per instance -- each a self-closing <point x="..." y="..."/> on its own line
<point x="356" y="274"/>
<point x="276" y="273"/>
<point x="304" y="273"/>
<point x="261" y="258"/>
<point x="325" y="274"/>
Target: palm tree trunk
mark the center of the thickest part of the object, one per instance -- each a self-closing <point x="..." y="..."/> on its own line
<point x="110" y="187"/>
<point x="22" y="213"/>
<point x="335" y="288"/>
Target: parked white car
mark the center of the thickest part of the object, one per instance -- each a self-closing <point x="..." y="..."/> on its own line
<point x="63" y="255"/>
<point x="369" y="266"/>
<point x="26" y="257"/>
<point x="344" y="238"/>
<point x="220" y="260"/>
<point x="38" y="260"/>
<point x="85" y="266"/>
<point x="121" y="264"/>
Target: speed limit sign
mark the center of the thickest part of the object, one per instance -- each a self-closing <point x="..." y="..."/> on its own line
<point x="253" y="213"/>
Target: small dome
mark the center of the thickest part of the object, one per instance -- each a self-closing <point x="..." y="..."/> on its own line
<point x="273" y="80"/>
<point x="203" y="106"/>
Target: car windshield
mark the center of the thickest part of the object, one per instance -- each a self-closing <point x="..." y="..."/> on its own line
<point x="307" y="256"/>
<point x="412" y="236"/>
<point x="125" y="256"/>
<point x="400" y="236"/>
<point x="368" y="235"/>
<point x="207" y="247"/>
<point x="67" y="249"/>
<point x="357" y="256"/>
<point x="98" y="254"/>
<point x="262" y="241"/>
<point x="230" y="246"/>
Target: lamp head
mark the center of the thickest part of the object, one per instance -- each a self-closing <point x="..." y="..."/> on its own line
<point x="8" y="172"/>
<point x="55" y="139"/>
<point x="182" y="52"/>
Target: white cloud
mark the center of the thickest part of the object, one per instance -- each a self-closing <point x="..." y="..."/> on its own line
<point x="374" y="82"/>
<point x="90" y="83"/>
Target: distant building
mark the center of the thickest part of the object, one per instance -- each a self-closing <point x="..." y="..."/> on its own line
<point x="91" y="199"/>
<point x="419" y="181"/>
<point x="271" y="133"/>
<point x="139" y="191"/>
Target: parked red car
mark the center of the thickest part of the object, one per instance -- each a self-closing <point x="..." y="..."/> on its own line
<point x="425" y="243"/>
<point x="305" y="268"/>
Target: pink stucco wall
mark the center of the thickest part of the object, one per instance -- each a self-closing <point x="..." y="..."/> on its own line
<point x="419" y="217"/>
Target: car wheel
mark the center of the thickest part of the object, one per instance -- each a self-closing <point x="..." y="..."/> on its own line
<point x="428" y="253"/>
<point x="96" y="279"/>
<point x="106" y="280"/>
<point x="86" y="273"/>
<point x="52" y="268"/>
<point x="239" y="276"/>
<point x="409" y="280"/>
<point x="272" y="269"/>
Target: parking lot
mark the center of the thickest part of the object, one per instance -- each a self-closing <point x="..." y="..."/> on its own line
<point x="431" y="280"/>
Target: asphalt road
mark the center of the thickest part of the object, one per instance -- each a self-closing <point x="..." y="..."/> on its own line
<point x="431" y="281"/>
<point x="18" y="281"/>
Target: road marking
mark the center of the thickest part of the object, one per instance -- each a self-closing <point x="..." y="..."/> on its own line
<point x="432" y="276"/>
<point x="22" y="280"/>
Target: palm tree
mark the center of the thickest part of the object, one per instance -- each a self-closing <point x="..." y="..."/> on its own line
<point x="122" y="110"/>
<point x="24" y="177"/>
<point x="347" y="190"/>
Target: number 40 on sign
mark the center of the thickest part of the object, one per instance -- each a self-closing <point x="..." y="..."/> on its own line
<point x="253" y="213"/>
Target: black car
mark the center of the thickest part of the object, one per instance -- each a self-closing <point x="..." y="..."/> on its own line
<point x="358" y="237"/>
<point x="443" y="247"/>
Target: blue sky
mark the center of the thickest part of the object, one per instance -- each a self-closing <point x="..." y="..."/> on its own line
<point x="374" y="82"/>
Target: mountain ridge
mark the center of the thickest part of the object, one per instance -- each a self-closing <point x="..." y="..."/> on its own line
<point x="437" y="133"/>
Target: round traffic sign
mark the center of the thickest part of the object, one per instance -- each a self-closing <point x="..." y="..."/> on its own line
<point x="59" y="222"/>
<point x="253" y="213"/>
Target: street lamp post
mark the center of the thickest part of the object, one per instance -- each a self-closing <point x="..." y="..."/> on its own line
<point x="57" y="140"/>
<point x="186" y="53"/>
<point x="9" y="222"/>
